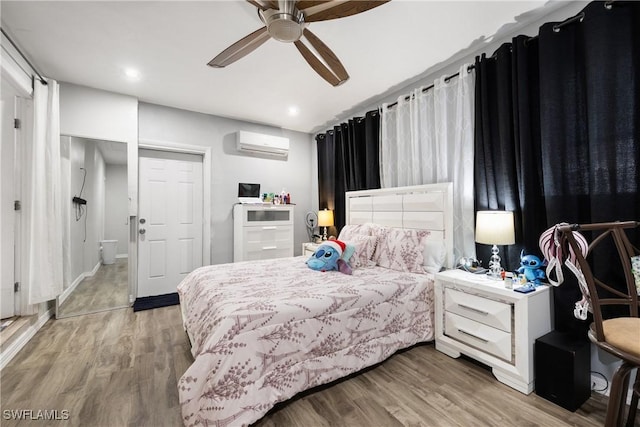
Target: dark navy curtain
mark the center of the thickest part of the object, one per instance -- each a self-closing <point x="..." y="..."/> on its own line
<point x="347" y="161"/>
<point x="507" y="170"/>
<point x="558" y="133"/>
<point x="590" y="128"/>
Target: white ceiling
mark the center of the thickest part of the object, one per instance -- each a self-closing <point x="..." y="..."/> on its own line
<point x="170" y="42"/>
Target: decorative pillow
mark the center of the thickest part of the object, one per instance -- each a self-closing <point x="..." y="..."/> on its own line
<point x="434" y="254"/>
<point x="364" y="248"/>
<point x="349" y="231"/>
<point x="380" y="231"/>
<point x="401" y="250"/>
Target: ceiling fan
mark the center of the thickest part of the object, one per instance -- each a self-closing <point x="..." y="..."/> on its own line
<point x="287" y="21"/>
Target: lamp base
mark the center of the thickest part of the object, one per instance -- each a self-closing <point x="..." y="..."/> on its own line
<point x="495" y="269"/>
<point x="324" y="234"/>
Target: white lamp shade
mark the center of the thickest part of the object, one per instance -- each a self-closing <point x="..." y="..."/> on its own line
<point x="325" y="218"/>
<point x="495" y="228"/>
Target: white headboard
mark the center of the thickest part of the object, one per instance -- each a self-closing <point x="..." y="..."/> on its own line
<point x="426" y="207"/>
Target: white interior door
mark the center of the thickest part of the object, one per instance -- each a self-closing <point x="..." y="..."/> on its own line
<point x="169" y="221"/>
<point x="9" y="112"/>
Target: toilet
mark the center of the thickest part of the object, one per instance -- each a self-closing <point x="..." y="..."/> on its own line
<point x="108" y="248"/>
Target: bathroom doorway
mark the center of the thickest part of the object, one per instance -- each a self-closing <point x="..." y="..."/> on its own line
<point x="96" y="226"/>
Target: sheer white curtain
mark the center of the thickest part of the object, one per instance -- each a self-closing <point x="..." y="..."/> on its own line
<point x="42" y="204"/>
<point x="429" y="139"/>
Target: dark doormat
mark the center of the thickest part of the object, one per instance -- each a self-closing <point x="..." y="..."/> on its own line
<point x="156" y="301"/>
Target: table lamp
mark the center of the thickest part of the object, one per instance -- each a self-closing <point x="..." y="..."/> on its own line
<point x="495" y="228"/>
<point x="325" y="219"/>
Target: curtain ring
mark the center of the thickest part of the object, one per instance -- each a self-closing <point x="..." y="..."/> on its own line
<point x="579" y="17"/>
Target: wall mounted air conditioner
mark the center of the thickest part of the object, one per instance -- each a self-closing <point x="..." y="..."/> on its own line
<point x="260" y="144"/>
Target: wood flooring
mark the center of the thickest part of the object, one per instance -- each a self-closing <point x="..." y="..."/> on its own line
<point x="107" y="289"/>
<point x="120" y="368"/>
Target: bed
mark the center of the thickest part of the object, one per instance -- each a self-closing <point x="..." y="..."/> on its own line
<point x="263" y="331"/>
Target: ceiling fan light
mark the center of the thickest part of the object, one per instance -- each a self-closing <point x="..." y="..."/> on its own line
<point x="285" y="29"/>
<point x="285" y="26"/>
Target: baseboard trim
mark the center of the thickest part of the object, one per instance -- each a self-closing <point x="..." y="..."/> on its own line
<point x="65" y="294"/>
<point x="23" y="339"/>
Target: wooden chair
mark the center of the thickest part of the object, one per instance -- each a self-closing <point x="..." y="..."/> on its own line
<point x="619" y="336"/>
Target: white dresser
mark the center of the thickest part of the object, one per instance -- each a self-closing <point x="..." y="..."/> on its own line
<point x="262" y="231"/>
<point x="480" y="318"/>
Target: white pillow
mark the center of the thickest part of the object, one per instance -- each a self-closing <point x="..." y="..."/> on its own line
<point x="434" y="254"/>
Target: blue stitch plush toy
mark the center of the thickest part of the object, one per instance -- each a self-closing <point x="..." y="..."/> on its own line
<point x="531" y="267"/>
<point x="328" y="257"/>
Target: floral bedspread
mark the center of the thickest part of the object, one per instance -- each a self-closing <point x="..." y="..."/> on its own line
<point x="262" y="331"/>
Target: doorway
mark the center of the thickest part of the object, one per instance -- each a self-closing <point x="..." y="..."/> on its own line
<point x="12" y="105"/>
<point x="96" y="226"/>
<point x="170" y="219"/>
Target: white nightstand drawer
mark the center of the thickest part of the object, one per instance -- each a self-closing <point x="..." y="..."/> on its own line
<point x="484" y="310"/>
<point x="482" y="337"/>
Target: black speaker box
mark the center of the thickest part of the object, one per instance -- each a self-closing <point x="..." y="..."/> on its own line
<point x="563" y="369"/>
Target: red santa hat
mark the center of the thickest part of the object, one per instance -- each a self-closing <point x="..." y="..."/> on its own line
<point x="336" y="244"/>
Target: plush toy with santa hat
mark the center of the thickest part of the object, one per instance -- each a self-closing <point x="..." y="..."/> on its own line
<point x="328" y="257"/>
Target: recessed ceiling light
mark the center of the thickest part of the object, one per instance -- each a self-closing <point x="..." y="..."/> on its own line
<point x="293" y="110"/>
<point x="132" y="74"/>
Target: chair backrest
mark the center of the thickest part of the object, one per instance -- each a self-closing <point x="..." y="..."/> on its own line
<point x="601" y="291"/>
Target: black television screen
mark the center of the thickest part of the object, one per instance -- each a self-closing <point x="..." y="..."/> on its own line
<point x="248" y="190"/>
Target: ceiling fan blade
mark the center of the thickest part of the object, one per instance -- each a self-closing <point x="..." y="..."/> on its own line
<point x="327" y="55"/>
<point x="240" y="48"/>
<point x="316" y="64"/>
<point x="339" y="9"/>
<point x="264" y="4"/>
<point x="305" y="4"/>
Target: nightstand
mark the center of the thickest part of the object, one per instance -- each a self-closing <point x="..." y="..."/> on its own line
<point x="308" y="248"/>
<point x="480" y="318"/>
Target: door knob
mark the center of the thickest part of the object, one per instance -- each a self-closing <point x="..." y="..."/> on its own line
<point x="142" y="231"/>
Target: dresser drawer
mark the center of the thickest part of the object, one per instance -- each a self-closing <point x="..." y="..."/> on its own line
<point x="489" y="312"/>
<point x="267" y="252"/>
<point x="274" y="234"/>
<point x="478" y="335"/>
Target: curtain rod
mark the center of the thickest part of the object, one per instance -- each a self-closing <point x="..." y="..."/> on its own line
<point x="446" y="79"/>
<point x="42" y="80"/>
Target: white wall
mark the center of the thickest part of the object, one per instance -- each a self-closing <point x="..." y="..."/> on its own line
<point x="82" y="251"/>
<point x="297" y="174"/>
<point x="95" y="196"/>
<point x="116" y="218"/>
<point x="97" y="114"/>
